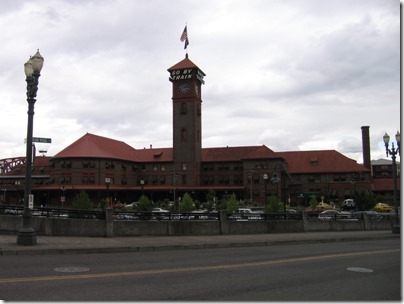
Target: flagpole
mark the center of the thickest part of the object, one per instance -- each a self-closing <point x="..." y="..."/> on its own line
<point x="184" y="38"/>
<point x="186" y="41"/>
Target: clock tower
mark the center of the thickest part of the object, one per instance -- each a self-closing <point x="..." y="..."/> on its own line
<point x="187" y="80"/>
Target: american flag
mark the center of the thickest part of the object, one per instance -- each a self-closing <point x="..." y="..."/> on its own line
<point x="184" y="37"/>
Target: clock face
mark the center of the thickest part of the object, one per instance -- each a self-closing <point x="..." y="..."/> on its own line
<point x="183" y="87"/>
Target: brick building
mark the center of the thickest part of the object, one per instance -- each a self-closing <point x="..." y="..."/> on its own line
<point x="251" y="172"/>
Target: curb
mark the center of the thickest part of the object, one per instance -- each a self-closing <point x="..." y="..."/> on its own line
<point x="66" y="251"/>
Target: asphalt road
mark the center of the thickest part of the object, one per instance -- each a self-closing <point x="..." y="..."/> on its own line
<point x="341" y="271"/>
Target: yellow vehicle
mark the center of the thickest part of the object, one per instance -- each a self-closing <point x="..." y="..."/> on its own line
<point x="323" y="206"/>
<point x="381" y="207"/>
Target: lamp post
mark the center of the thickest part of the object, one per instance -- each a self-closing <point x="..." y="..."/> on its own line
<point x="265" y="189"/>
<point x="62" y="197"/>
<point x="393" y="152"/>
<point x="142" y="184"/>
<point x="4" y="195"/>
<point x="251" y="185"/>
<point x="27" y="235"/>
<point x="17" y="186"/>
<point x="107" y="183"/>
<point x="275" y="180"/>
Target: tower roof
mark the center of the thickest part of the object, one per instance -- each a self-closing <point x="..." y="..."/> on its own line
<point x="186" y="63"/>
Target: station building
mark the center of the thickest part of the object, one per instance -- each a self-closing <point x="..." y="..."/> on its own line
<point x="251" y="172"/>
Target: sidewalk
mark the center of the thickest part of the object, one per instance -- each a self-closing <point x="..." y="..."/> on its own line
<point x="75" y="245"/>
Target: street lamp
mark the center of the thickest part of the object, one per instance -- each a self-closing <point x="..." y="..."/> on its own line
<point x="107" y="183"/>
<point x="393" y="152"/>
<point x="275" y="179"/>
<point x="62" y="197"/>
<point x="17" y="186"/>
<point x="142" y="184"/>
<point x="265" y="189"/>
<point x="27" y="235"/>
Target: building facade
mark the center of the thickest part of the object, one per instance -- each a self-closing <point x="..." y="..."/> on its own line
<point x="251" y="172"/>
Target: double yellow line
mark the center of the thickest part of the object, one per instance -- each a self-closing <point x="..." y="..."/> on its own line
<point x="191" y="269"/>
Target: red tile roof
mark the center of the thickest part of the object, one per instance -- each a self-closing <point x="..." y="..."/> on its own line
<point x="320" y="161"/>
<point x="94" y="146"/>
<point x="155" y="155"/>
<point x="236" y="153"/>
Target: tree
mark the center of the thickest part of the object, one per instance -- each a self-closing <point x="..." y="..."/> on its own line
<point x="274" y="205"/>
<point x="364" y="200"/>
<point x="313" y="202"/>
<point x="187" y="204"/>
<point x="232" y="204"/>
<point x="144" y="204"/>
<point x="82" y="201"/>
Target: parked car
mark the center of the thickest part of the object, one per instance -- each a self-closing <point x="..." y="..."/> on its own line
<point x="371" y="215"/>
<point x="381" y="207"/>
<point x="348" y="204"/>
<point x="157" y="210"/>
<point x="333" y="215"/>
<point x="131" y="205"/>
<point x="324" y="206"/>
<point x="199" y="215"/>
<point x="118" y="206"/>
<point x="245" y="210"/>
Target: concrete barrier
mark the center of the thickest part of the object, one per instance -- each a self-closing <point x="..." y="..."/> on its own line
<point x="10" y="224"/>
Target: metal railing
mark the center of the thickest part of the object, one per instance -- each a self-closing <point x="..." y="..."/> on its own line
<point x="54" y="212"/>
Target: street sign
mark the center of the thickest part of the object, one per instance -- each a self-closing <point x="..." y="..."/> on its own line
<point x="42" y="140"/>
<point x="30" y="201"/>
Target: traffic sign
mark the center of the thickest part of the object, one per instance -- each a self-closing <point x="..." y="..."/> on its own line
<point x="30" y="201"/>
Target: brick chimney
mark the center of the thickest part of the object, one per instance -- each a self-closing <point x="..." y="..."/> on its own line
<point x="366" y="147"/>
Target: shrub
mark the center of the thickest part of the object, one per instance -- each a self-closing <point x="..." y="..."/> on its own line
<point x="187" y="204"/>
<point x="313" y="202"/>
<point x="232" y="203"/>
<point x="144" y="204"/>
<point x="274" y="205"/>
<point x="82" y="201"/>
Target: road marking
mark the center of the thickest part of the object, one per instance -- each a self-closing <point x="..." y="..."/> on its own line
<point x="190" y="269"/>
<point x="359" y="269"/>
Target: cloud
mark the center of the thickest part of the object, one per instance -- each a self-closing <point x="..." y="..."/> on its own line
<point x="287" y="74"/>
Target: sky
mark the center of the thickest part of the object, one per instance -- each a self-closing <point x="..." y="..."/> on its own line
<point x="289" y="74"/>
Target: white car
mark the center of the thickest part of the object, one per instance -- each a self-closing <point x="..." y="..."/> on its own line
<point x="158" y="210"/>
<point x="332" y="214"/>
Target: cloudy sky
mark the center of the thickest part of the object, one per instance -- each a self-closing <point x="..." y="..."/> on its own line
<point x="290" y="74"/>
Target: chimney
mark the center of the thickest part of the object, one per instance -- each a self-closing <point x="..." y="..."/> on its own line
<point x="366" y="147"/>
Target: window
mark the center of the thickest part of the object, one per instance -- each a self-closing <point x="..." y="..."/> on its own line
<point x="109" y="165"/>
<point x="184" y="166"/>
<point x="162" y="179"/>
<point x="183" y="108"/>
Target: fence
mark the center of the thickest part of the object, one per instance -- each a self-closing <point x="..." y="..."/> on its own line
<point x="109" y="222"/>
